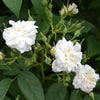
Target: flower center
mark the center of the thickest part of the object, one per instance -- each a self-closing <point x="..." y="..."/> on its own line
<point x="68" y="50"/>
<point x="18" y="30"/>
<point x="91" y="78"/>
<point x="65" y="55"/>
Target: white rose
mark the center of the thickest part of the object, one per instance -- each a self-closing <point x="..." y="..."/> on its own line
<point x="85" y="78"/>
<point x="67" y="56"/>
<point x="21" y="35"/>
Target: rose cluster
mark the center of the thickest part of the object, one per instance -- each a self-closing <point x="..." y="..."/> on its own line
<point x="68" y="58"/>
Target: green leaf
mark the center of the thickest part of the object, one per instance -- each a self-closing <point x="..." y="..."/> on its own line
<point x="87" y="26"/>
<point x="44" y="25"/>
<point x="4" y="67"/>
<point x="93" y="46"/>
<point x="7" y="98"/>
<point x="22" y="64"/>
<point x="76" y="95"/>
<point x="13" y="70"/>
<point x="4" y="85"/>
<point x="42" y="20"/>
<point x="98" y="86"/>
<point x="56" y="19"/>
<point x="14" y="6"/>
<point x="98" y="58"/>
<point x="14" y="91"/>
<point x="87" y="98"/>
<point x="56" y="92"/>
<point x="30" y="86"/>
<point x="38" y="7"/>
<point x="97" y="96"/>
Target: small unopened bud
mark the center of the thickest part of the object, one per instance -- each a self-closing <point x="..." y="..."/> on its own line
<point x="49" y="14"/>
<point x="65" y="30"/>
<point x="1" y="56"/>
<point x="53" y="51"/>
<point x="78" y="25"/>
<point x="44" y="2"/>
<point x="38" y="47"/>
<point x="47" y="60"/>
<point x="68" y="79"/>
<point x="92" y="95"/>
<point x="70" y="10"/>
<point x="50" y="6"/>
<point x="63" y="11"/>
<point x="30" y="18"/>
<point x="77" y="33"/>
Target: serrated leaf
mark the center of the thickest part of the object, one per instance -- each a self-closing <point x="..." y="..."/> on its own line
<point x="30" y="86"/>
<point x="56" y="92"/>
<point x="4" y="85"/>
<point x="14" y="6"/>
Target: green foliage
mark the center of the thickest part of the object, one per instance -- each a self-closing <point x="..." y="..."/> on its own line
<point x="87" y="98"/>
<point x="37" y="4"/>
<point x="14" y="6"/>
<point x="4" y="86"/>
<point x="30" y="86"/>
<point x="87" y="26"/>
<point x="93" y="46"/>
<point x="97" y="96"/>
<point x="76" y="95"/>
<point x="7" y="98"/>
<point x="56" y="92"/>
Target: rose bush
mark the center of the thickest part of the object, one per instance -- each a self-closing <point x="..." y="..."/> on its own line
<point x="47" y="51"/>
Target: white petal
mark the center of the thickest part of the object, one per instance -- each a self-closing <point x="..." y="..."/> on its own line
<point x="12" y="22"/>
<point x="77" y="47"/>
